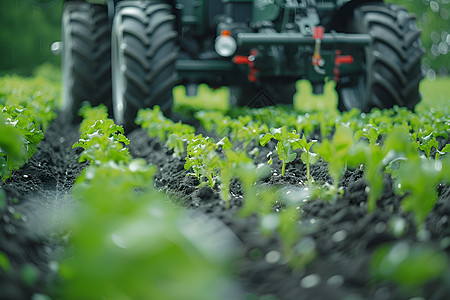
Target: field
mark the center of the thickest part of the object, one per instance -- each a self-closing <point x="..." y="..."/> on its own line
<point x="231" y="204"/>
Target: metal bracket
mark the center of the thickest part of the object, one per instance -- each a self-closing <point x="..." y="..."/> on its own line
<point x="311" y="20"/>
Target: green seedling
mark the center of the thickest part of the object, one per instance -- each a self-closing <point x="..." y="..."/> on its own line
<point x="91" y="114"/>
<point x="102" y="142"/>
<point x="407" y="264"/>
<point x="374" y="158"/>
<point x="251" y="132"/>
<point x="426" y="144"/>
<point x="287" y="142"/>
<point x="19" y="137"/>
<point x="125" y="236"/>
<point x="154" y="121"/>
<point x="200" y="151"/>
<point x="335" y="153"/>
<point x="369" y="131"/>
<point x="308" y="157"/>
<point x="444" y="150"/>
<point x="417" y="181"/>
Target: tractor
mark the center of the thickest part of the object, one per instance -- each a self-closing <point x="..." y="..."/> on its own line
<point x="130" y="54"/>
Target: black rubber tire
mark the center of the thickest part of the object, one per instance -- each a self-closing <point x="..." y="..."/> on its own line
<point x="266" y="95"/>
<point x="392" y="62"/>
<point x="144" y="51"/>
<point x="86" y="57"/>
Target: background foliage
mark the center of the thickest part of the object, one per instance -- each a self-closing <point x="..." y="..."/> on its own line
<point x="29" y="27"/>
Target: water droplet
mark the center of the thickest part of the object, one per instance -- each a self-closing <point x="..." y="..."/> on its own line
<point x="11" y="210"/>
<point x="438" y="165"/>
<point x="434" y="37"/>
<point x="398" y="253"/>
<point x="273" y="256"/>
<point x="335" y="281"/>
<point x="367" y="189"/>
<point x="310" y="281"/>
<point x="423" y="235"/>
<point x="380" y="227"/>
<point x="54" y="266"/>
<point x="431" y="75"/>
<point x="270" y="222"/>
<point x="434" y="6"/>
<point x="25" y="176"/>
<point x="118" y="241"/>
<point x="339" y="236"/>
<point x="306" y="245"/>
<point x="398" y="226"/>
<point x="434" y="50"/>
<point x="443" y="48"/>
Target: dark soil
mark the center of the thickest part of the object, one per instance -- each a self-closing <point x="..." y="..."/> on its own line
<point x="343" y="234"/>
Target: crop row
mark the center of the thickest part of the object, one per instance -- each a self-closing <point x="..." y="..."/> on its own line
<point x="26" y="109"/>
<point x="126" y="237"/>
<point x="395" y="141"/>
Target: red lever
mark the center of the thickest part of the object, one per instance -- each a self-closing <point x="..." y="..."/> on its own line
<point x="339" y="60"/>
<point x="250" y="62"/>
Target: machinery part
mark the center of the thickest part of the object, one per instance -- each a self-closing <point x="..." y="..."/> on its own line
<point x="269" y="94"/>
<point x="317" y="60"/>
<point x="225" y="45"/>
<point x="144" y="52"/>
<point x="392" y="63"/>
<point x="86" y="58"/>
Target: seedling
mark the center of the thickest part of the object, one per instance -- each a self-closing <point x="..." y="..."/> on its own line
<point x="335" y="153"/>
<point x="200" y="151"/>
<point x="287" y="142"/>
<point x="307" y="156"/>
<point x="103" y="142"/>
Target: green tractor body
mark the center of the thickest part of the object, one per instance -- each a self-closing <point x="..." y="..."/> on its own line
<point x="130" y="54"/>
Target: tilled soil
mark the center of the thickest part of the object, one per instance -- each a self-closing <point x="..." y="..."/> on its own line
<point x="342" y="233"/>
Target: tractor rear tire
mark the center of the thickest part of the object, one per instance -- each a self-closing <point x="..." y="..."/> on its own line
<point x="392" y="63"/>
<point x="144" y="51"/>
<point x="86" y="58"/>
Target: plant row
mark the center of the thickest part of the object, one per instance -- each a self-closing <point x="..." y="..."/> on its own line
<point x="127" y="239"/>
<point x="27" y="106"/>
<point x="393" y="142"/>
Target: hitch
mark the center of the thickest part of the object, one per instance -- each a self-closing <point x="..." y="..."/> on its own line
<point x="250" y="62"/>
<point x="317" y="61"/>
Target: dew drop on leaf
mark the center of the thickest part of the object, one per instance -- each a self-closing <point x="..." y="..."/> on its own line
<point x="118" y="241"/>
<point x="398" y="253"/>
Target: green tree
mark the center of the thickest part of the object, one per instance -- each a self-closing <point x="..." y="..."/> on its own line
<point x="27" y="30"/>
